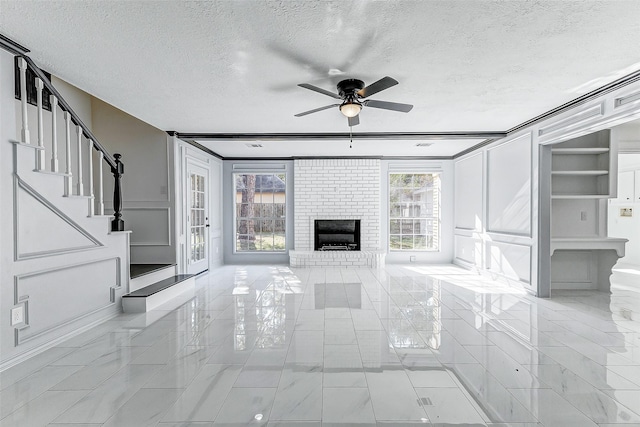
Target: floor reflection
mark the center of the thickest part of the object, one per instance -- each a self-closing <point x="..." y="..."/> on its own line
<point x="270" y="345"/>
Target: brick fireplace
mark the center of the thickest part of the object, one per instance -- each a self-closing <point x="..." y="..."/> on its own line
<point x="337" y="189"/>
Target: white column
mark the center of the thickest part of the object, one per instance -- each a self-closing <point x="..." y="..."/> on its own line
<point x="100" y="187"/>
<point x="54" y="133"/>
<point x="22" y="64"/>
<point x="80" y="183"/>
<point x="69" y="179"/>
<point x="90" y="154"/>
<point x="40" y="152"/>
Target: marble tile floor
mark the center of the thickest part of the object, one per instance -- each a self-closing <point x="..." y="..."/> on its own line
<point x="402" y="345"/>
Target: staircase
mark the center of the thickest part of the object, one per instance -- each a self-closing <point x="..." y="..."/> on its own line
<point x="64" y="263"/>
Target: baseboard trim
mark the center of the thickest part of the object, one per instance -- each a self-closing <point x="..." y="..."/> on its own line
<point x="4" y="365"/>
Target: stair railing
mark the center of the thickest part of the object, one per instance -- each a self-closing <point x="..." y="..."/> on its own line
<point x="82" y="134"/>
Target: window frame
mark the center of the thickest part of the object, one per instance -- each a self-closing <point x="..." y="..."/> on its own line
<point x="389" y="217"/>
<point x="235" y="217"/>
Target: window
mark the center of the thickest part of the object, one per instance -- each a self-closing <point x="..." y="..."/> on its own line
<point x="414" y="211"/>
<point x="260" y="212"/>
<point x="198" y="219"/>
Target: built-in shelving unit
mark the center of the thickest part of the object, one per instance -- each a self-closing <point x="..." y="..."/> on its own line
<point x="580" y="167"/>
<point x="581" y="181"/>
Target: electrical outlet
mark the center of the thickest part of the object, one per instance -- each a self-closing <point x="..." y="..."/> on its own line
<point x="412" y="258"/>
<point x="583" y="216"/>
<point x="17" y="315"/>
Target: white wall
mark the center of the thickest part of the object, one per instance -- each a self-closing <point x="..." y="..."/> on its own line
<point x="494" y="227"/>
<point x="147" y="182"/>
<point x="79" y="100"/>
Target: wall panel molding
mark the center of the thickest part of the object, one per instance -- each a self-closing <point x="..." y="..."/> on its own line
<point x="577" y="119"/>
<point x="514" y="201"/>
<point x="469" y="249"/>
<point x="510" y="260"/>
<point x="469" y="192"/>
<point x="37" y="232"/>
<point x="50" y="296"/>
<point x="627" y="100"/>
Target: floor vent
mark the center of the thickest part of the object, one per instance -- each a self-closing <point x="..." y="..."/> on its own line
<point x="425" y="401"/>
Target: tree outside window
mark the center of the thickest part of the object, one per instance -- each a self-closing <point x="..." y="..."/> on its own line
<point x="260" y="212"/>
<point x="414" y="211"/>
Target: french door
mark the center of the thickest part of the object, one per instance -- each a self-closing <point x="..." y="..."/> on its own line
<point x="197" y="219"/>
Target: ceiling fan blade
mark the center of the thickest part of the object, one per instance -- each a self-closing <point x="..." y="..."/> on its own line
<point x="380" y="85"/>
<point x="366" y="40"/>
<point x="316" y="110"/>
<point x="305" y="62"/>
<point x="394" y="106"/>
<point x="353" y="121"/>
<point x="319" y="90"/>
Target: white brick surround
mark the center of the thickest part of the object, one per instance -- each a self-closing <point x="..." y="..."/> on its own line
<point x="371" y="259"/>
<point x="337" y="189"/>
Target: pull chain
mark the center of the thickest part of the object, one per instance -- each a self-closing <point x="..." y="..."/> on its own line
<point x="350" y="137"/>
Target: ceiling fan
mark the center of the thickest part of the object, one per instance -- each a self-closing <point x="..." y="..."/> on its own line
<point x="352" y="93"/>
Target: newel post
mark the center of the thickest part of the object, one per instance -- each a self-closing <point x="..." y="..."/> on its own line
<point x="117" y="224"/>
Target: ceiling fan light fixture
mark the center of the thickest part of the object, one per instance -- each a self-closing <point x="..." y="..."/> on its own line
<point x="350" y="109"/>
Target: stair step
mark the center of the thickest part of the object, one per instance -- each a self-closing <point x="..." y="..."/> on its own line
<point x="76" y="196"/>
<point x="143" y="275"/>
<point x="24" y="144"/>
<point x="158" y="286"/>
<point x="52" y="173"/>
<point x="137" y="270"/>
<point x="156" y="294"/>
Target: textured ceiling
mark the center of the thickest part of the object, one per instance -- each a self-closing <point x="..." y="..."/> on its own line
<point x="233" y="66"/>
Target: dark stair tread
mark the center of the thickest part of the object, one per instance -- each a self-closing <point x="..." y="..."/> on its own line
<point x="137" y="270"/>
<point x="154" y="288"/>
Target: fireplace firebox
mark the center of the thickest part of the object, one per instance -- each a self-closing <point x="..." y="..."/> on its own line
<point x="337" y="235"/>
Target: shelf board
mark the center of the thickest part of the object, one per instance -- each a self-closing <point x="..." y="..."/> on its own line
<point x="588" y="243"/>
<point x="580" y="196"/>
<point x="581" y="173"/>
<point x="599" y="150"/>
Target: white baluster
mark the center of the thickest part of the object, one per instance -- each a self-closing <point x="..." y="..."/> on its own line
<point x="69" y="179"/>
<point x="22" y="64"/>
<point x="54" y="133"/>
<point x="100" y="188"/>
<point x="91" y="208"/>
<point x="40" y="152"/>
<point x="80" y="183"/>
